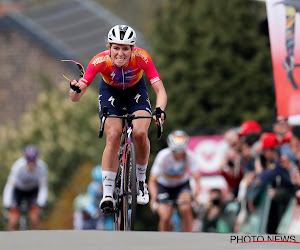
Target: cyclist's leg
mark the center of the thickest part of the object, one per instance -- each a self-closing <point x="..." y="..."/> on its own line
<point x="142" y="149"/>
<point x="111" y="98"/>
<point x="185" y="210"/>
<point x="141" y="140"/>
<point x="139" y="104"/>
<point x="14" y="212"/>
<point x="113" y="128"/>
<point x="34" y="210"/>
<point x="34" y="214"/>
<point x="165" y="213"/>
<point x="13" y="219"/>
<point x="165" y="195"/>
<point x="185" y="207"/>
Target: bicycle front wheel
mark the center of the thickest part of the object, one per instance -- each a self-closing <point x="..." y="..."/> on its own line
<point x="117" y="197"/>
<point x="130" y="189"/>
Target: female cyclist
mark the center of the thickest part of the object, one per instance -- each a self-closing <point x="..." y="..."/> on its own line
<point x="27" y="182"/>
<point x="169" y="182"/>
<point x="122" y="84"/>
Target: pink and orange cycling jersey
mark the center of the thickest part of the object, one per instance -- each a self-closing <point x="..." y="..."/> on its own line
<point x="123" y="77"/>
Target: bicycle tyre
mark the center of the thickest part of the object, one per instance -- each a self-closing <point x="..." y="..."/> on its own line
<point x="117" y="212"/>
<point x="130" y="189"/>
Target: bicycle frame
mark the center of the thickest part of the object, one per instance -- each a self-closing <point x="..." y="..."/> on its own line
<point x="126" y="139"/>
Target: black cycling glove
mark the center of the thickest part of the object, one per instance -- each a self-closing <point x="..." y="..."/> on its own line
<point x="75" y="88"/>
<point x="159" y="111"/>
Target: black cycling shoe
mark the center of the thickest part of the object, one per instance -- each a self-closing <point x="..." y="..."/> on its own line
<point x="107" y="205"/>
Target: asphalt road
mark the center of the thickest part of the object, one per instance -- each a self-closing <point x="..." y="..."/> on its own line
<point x="109" y="240"/>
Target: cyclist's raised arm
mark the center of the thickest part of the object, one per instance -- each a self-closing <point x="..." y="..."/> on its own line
<point x="161" y="97"/>
<point x="92" y="70"/>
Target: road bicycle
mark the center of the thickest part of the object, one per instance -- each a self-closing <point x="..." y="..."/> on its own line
<point x="125" y="193"/>
<point x="23" y="221"/>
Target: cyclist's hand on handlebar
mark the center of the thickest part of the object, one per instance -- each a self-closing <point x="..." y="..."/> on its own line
<point x="159" y="113"/>
<point x="153" y="205"/>
<point x="5" y="212"/>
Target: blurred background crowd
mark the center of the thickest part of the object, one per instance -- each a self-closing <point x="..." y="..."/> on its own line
<point x="218" y="83"/>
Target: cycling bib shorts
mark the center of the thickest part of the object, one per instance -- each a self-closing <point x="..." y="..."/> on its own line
<point x="134" y="98"/>
<point x="166" y="194"/>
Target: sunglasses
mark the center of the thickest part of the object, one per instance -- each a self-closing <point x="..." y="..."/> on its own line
<point x="80" y="67"/>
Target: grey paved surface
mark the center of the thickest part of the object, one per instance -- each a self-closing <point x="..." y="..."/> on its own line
<point x="88" y="240"/>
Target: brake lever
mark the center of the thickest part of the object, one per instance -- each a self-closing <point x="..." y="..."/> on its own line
<point x="160" y="127"/>
<point x="102" y="121"/>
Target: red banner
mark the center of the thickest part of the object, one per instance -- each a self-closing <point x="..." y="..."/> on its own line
<point x="284" y="32"/>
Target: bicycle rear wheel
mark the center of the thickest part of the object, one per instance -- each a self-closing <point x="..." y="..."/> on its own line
<point x="130" y="189"/>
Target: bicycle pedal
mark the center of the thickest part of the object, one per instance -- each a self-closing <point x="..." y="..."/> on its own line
<point x="108" y="210"/>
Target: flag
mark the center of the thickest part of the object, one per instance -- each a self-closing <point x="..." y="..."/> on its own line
<point x="284" y="33"/>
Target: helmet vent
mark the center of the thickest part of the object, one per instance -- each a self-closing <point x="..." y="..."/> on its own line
<point x="131" y="34"/>
<point x="122" y="34"/>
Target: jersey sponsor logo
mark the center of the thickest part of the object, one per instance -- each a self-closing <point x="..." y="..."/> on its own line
<point x="140" y="54"/>
<point x="111" y="100"/>
<point x="113" y="74"/>
<point x="100" y="60"/>
<point x="130" y="77"/>
<point x="129" y="131"/>
<point x="129" y="71"/>
<point x="148" y="100"/>
<point x="106" y="178"/>
<point x="137" y="97"/>
<point x="99" y="103"/>
<point x="154" y="80"/>
<point x="149" y="110"/>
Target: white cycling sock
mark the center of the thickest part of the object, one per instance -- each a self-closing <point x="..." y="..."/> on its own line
<point x="108" y="180"/>
<point x="141" y="172"/>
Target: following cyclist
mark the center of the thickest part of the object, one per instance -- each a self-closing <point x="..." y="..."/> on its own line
<point x="122" y="84"/>
<point x="87" y="214"/>
<point x="169" y="182"/>
<point x="27" y="181"/>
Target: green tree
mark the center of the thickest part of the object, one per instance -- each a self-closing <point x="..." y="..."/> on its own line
<point x="214" y="63"/>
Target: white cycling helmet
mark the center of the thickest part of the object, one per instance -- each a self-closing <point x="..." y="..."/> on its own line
<point x="122" y="34"/>
<point x="178" y="140"/>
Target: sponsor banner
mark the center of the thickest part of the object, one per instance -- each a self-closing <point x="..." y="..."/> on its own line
<point x="284" y="33"/>
<point x="209" y="152"/>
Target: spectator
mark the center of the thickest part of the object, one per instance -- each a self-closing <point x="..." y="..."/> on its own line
<point x="282" y="130"/>
<point x="213" y="210"/>
<point x="274" y="177"/>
